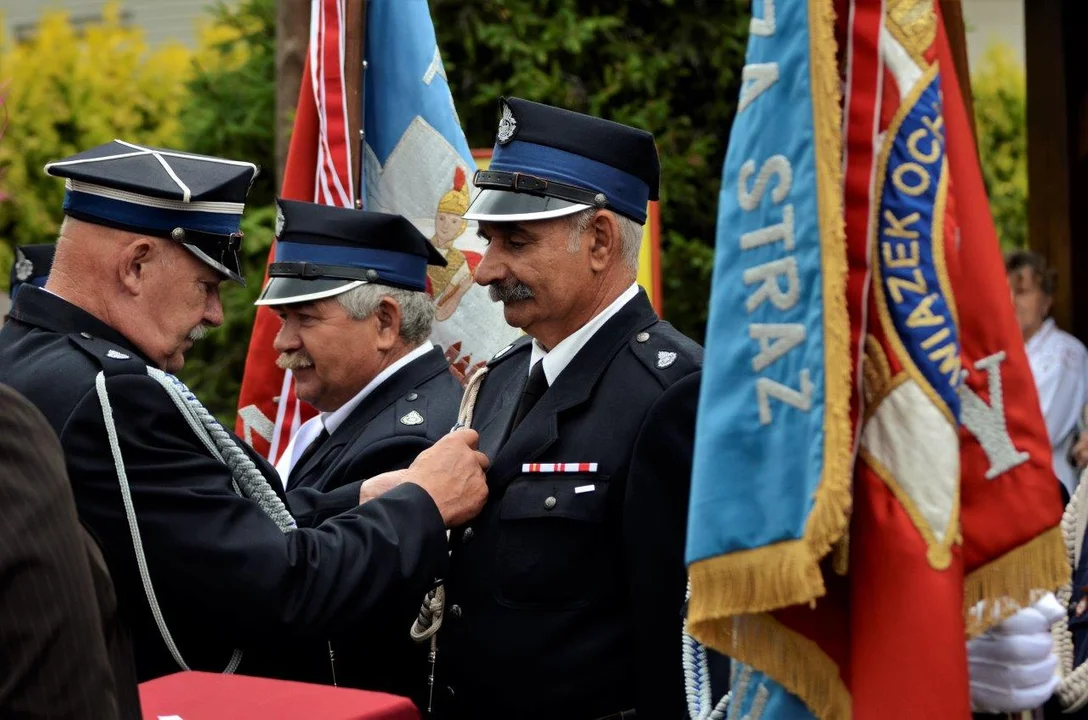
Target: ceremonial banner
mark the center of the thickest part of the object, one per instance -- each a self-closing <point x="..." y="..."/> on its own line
<point x="878" y="629"/>
<point x="771" y="480"/>
<point x="416" y="163"/>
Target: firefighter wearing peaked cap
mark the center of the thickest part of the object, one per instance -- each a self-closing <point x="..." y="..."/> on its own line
<point x="216" y="568"/>
<point x="565" y="597"/>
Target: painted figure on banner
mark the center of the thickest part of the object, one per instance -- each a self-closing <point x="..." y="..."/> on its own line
<point x="447" y="285"/>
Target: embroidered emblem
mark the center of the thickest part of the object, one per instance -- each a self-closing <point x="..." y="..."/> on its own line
<point x="279" y="220"/>
<point x="116" y="355"/>
<point x="665" y="358"/>
<point x="412" y="418"/>
<point x="914" y="24"/>
<point x="23" y="267"/>
<point x="508" y="125"/>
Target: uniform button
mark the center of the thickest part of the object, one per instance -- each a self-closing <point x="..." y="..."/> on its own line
<point x="642" y="337"/>
<point x="455" y="611"/>
<point x="86" y="335"/>
<point x="371" y="275"/>
<point x="467" y="535"/>
<point x="549" y="503"/>
<point x="412" y="397"/>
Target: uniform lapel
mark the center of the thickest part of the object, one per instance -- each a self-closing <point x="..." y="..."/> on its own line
<point x="400" y="383"/>
<point x="540" y="428"/>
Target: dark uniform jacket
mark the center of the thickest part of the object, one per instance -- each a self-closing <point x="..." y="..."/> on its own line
<point x="65" y="653"/>
<point x="565" y="596"/>
<point x="401" y="418"/>
<point x="226" y="577"/>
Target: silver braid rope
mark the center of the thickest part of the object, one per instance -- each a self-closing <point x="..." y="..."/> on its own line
<point x="247" y="480"/>
<point x="1073" y="689"/>
<point x="700" y="697"/>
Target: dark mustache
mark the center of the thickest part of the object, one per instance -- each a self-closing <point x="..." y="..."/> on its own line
<point x="509" y="291"/>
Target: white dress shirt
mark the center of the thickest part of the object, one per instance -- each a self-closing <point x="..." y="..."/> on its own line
<point x="1059" y="364"/>
<point x="330" y="421"/>
<point x="556" y="359"/>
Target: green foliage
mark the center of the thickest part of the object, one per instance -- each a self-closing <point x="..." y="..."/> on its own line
<point x="667" y="66"/>
<point x="232" y="92"/>
<point x="64" y="92"/>
<point x="1000" y="95"/>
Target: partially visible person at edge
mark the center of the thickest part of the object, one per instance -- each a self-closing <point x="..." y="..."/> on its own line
<point x="64" y="652"/>
<point x="215" y="566"/>
<point x="30" y="267"/>
<point x="565" y="597"/>
<point x="349" y="287"/>
<point x="1059" y="362"/>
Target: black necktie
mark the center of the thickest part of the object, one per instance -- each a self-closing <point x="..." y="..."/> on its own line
<point x="311" y="449"/>
<point x="535" y="386"/>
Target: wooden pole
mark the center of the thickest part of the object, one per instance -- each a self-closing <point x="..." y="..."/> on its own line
<point x="952" y="12"/>
<point x="354" y="66"/>
<point x="292" y="39"/>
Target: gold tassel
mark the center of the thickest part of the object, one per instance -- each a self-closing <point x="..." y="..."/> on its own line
<point x="753" y="581"/>
<point x="791" y="659"/>
<point x="1015" y="580"/>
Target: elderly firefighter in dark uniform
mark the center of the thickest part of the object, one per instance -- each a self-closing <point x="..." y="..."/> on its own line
<point x="359" y="350"/>
<point x="358" y="347"/>
<point x="215" y="567"/>
<point x="565" y="596"/>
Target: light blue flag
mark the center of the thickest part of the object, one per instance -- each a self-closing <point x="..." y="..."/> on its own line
<point x="771" y="479"/>
<point x="418" y="164"/>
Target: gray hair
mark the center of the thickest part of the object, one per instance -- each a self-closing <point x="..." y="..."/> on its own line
<point x="630" y="235"/>
<point x="416" y="308"/>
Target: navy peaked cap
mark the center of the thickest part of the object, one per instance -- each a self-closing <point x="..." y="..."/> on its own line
<point x="549" y="162"/>
<point x="323" y="250"/>
<point x="196" y="200"/>
<point x="32" y="265"/>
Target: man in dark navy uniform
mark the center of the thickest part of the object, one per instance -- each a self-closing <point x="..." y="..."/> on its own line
<point x="31" y="267"/>
<point x="565" y="597"/>
<point x="215" y="567"/>
<point x="350" y="289"/>
<point x="358" y="347"/>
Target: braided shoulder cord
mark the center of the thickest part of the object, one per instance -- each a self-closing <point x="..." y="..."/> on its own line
<point x="697" y="687"/>
<point x="247" y="480"/>
<point x="222" y="445"/>
<point x="1073" y="689"/>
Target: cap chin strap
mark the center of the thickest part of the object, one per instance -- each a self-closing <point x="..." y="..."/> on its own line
<point x="523" y="183"/>
<point x="247" y="481"/>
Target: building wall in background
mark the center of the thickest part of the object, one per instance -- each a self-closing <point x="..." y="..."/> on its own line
<point x="990" y="20"/>
<point x="162" y="20"/>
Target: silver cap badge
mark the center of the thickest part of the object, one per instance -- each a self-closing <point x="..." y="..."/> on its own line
<point x="23" y="267"/>
<point x="508" y="125"/>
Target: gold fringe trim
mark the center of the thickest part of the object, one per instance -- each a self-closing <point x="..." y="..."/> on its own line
<point x="792" y="660"/>
<point x="1015" y="580"/>
<point x="753" y="581"/>
<point x="831" y="510"/>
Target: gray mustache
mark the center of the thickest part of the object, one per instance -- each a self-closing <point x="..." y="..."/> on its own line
<point x="510" y="291"/>
<point x="298" y="360"/>
<point x="198" y="333"/>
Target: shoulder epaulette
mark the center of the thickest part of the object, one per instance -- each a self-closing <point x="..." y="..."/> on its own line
<point x="511" y="350"/>
<point x="666" y="352"/>
<point x="112" y="358"/>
